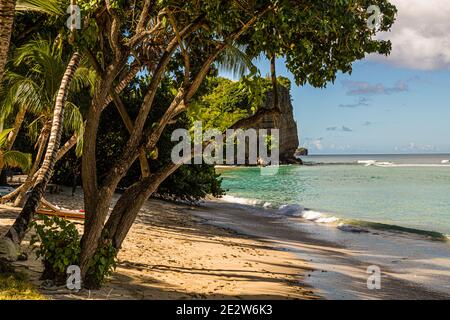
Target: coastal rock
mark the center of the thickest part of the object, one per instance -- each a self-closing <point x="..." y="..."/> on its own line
<point x="301" y="152"/>
<point x="285" y="121"/>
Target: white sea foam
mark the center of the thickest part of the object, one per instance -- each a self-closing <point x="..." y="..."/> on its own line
<point x="388" y="164"/>
<point x="287" y="210"/>
<point x="267" y="205"/>
<point x="369" y="163"/>
<point x="318" y="217"/>
<point x="410" y="165"/>
<point x="242" y="201"/>
<point x="293" y="210"/>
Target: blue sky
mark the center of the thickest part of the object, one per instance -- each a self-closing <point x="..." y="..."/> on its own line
<point x="380" y="108"/>
<point x="399" y="104"/>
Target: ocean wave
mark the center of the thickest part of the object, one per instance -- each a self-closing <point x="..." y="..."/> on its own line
<point x="296" y="210"/>
<point x="286" y="210"/>
<point x="386" y="164"/>
<point x="345" y="225"/>
<point x="245" y="201"/>
<point x="412" y="165"/>
<point x="369" y="163"/>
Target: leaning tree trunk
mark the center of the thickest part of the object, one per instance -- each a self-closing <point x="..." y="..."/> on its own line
<point x="20" y="200"/>
<point x="128" y="206"/>
<point x="7" y="8"/>
<point x="12" y="136"/>
<point x="17" y="232"/>
<point x="122" y="218"/>
<point x="25" y="187"/>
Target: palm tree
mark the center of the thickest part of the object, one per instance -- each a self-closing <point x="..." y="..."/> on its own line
<point x="10" y="158"/>
<point x="34" y="92"/>
<point x="7" y="11"/>
<point x="6" y="25"/>
<point x="17" y="232"/>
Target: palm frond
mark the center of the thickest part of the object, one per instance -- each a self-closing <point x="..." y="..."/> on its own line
<point x="23" y="92"/>
<point x="43" y="61"/>
<point x="4" y="135"/>
<point x="73" y="119"/>
<point x="84" y="78"/>
<point x="80" y="143"/>
<point x="51" y="7"/>
<point x="235" y="60"/>
<point x="35" y="128"/>
<point x="73" y="122"/>
<point x="17" y="159"/>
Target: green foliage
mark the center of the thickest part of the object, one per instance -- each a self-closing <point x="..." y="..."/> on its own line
<point x="191" y="184"/>
<point x="102" y="264"/>
<point x="318" y="39"/>
<point x="225" y="101"/>
<point x="16" y="159"/>
<point x="59" y="244"/>
<point x="31" y="85"/>
<point x="52" y="7"/>
<point x="10" y="158"/>
<point x="188" y="184"/>
<point x="4" y="136"/>
<point x="59" y="247"/>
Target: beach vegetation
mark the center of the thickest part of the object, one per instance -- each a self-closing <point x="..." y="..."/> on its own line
<point x="31" y="86"/>
<point x="10" y="158"/>
<point x="16" y="286"/>
<point x="57" y="242"/>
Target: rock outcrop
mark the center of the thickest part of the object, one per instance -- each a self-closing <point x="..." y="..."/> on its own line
<point x="301" y="152"/>
<point x="285" y="122"/>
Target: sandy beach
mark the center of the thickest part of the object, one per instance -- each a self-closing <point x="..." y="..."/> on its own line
<point x="412" y="267"/>
<point x="172" y="254"/>
<point x="227" y="251"/>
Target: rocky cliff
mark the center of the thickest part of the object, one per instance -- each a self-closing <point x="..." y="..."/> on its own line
<point x="285" y="122"/>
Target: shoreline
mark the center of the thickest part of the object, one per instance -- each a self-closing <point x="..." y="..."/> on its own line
<point x="330" y="219"/>
<point x="412" y="267"/>
<point x="221" y="251"/>
<point x="172" y="254"/>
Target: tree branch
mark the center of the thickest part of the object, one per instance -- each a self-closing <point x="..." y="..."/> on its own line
<point x="123" y="84"/>
<point x="114" y="34"/>
<point x="143" y="17"/>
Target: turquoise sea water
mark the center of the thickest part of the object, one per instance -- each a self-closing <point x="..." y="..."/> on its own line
<point x="411" y="191"/>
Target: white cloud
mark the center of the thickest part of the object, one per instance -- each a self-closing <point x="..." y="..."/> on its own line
<point x="342" y="129"/>
<point x="420" y="36"/>
<point x="365" y="88"/>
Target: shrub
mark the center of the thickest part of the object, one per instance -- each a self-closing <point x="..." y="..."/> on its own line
<point x="102" y="266"/>
<point x="59" y="246"/>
